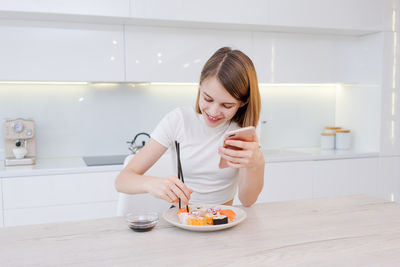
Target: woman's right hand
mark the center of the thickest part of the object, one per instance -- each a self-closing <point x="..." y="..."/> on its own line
<point x="169" y="189"/>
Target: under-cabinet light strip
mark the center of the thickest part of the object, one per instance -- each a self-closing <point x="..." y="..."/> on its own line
<point x="172" y="83"/>
<point x="42" y="82"/>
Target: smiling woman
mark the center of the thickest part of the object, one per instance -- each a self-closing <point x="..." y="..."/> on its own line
<point x="228" y="99"/>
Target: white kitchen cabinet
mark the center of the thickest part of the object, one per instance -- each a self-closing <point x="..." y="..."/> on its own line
<point x="1" y="204"/>
<point x="117" y="8"/>
<point x="281" y="57"/>
<point x="175" y="55"/>
<point x="331" y="14"/>
<point x="345" y="177"/>
<point x="390" y="96"/>
<point x="49" y="51"/>
<point x="389" y="178"/>
<point x="394" y="18"/>
<point x="38" y="191"/>
<point x="1" y="194"/>
<point x="318" y="178"/>
<point x="358" y="15"/>
<point x="83" y="195"/>
<point x="287" y="181"/>
<point x="222" y="11"/>
<point x="306" y="58"/>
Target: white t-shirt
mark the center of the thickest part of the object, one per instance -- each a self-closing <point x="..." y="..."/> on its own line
<point x="199" y="154"/>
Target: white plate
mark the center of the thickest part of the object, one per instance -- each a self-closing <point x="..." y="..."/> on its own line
<point x="171" y="217"/>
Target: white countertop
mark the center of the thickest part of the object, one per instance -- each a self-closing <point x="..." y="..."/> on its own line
<point x="337" y="231"/>
<point x="67" y="165"/>
<point x="49" y="166"/>
<point x="313" y="153"/>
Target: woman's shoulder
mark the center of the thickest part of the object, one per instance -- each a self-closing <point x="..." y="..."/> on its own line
<point x="181" y="114"/>
<point x="185" y="112"/>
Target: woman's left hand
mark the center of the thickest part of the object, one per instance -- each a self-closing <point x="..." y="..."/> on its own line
<point x="249" y="154"/>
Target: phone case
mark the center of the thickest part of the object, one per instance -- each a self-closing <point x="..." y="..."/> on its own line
<point x="244" y="134"/>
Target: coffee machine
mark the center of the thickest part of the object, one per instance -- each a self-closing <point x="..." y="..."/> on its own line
<point x="19" y="135"/>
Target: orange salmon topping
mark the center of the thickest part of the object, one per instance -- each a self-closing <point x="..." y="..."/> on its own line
<point x="230" y="213"/>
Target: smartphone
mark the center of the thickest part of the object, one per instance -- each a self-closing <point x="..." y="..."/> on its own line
<point x="246" y="134"/>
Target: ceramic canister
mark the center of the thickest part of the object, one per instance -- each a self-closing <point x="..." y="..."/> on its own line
<point x="330" y="129"/>
<point x="343" y="139"/>
<point x="327" y="141"/>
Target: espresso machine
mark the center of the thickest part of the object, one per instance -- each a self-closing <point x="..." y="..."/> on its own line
<point x="19" y="135"/>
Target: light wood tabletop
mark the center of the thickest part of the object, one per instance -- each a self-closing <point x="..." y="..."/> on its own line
<point x="337" y="231"/>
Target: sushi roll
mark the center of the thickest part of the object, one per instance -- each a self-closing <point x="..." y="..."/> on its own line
<point x="213" y="210"/>
<point x="230" y="213"/>
<point x="195" y="213"/>
<point x="193" y="220"/>
<point x="220" y="219"/>
<point x="183" y="210"/>
<point x="209" y="218"/>
<point x="183" y="217"/>
<point x="202" y="211"/>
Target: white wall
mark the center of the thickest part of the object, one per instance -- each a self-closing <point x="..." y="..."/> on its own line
<point x="76" y="120"/>
<point x="296" y="115"/>
<point x="358" y="109"/>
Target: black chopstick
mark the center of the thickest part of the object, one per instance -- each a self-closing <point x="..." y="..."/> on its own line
<point x="178" y="161"/>
<point x="180" y="173"/>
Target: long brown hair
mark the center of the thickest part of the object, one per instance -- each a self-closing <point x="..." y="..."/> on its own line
<point x="236" y="72"/>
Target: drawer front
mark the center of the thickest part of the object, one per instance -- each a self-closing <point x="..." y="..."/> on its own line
<point x="40" y="191"/>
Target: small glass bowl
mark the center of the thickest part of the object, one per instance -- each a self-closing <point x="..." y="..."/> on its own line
<point x="142" y="221"/>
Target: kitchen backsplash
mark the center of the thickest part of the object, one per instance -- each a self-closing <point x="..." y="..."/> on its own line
<point x="98" y="119"/>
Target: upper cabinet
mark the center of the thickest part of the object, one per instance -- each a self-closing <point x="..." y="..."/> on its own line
<point x="119" y="51"/>
<point x="37" y="51"/>
<point x="334" y="14"/>
<point x="118" y="8"/>
<point x="316" y="58"/>
<point x="175" y="55"/>
<point x="221" y="11"/>
<point x="390" y="97"/>
<point x="348" y="15"/>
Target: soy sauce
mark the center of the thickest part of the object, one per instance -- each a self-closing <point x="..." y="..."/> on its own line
<point x="143" y="226"/>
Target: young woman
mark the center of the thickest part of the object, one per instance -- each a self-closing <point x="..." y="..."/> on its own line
<point x="228" y="99"/>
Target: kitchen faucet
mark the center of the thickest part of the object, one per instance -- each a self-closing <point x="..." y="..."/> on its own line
<point x="133" y="147"/>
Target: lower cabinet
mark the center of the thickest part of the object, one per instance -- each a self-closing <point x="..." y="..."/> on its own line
<point x="55" y="198"/>
<point x="345" y="177"/>
<point x="325" y="178"/>
<point x="389" y="178"/>
<point x="287" y="181"/>
<point x="1" y="204"/>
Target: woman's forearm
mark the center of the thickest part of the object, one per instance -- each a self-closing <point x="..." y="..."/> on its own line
<point x="130" y="182"/>
<point x="251" y="182"/>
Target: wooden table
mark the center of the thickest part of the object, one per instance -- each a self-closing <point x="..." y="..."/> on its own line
<point x="341" y="231"/>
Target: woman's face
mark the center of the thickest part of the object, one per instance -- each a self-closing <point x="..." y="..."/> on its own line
<point x="216" y="104"/>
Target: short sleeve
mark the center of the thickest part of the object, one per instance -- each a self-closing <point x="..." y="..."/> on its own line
<point x="166" y="131"/>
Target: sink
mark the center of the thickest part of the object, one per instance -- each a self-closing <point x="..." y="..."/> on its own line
<point x="104" y="160"/>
